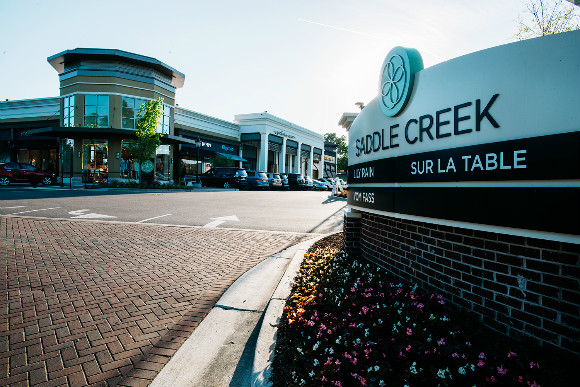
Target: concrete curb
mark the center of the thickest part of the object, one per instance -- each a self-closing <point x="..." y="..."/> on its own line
<point x="266" y="342"/>
<point x="221" y="351"/>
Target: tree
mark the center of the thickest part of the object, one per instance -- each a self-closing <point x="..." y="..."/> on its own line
<point x="341" y="150"/>
<point x="221" y="161"/>
<point x="148" y="140"/>
<point x="547" y="17"/>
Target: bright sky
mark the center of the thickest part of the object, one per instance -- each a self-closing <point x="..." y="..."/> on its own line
<point x="306" y="61"/>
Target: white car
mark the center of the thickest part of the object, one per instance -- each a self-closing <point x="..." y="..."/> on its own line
<point x="319" y="185"/>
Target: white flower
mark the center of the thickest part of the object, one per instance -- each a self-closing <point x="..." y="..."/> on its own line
<point x="382" y="383"/>
<point x="300" y="351"/>
<point x="441" y="374"/>
<point x="461" y="370"/>
<point x="377" y="368"/>
<point x="316" y="362"/>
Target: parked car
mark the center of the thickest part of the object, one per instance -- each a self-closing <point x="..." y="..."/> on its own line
<point x="343" y="184"/>
<point x="319" y="185"/>
<point x="296" y="181"/>
<point x="258" y="180"/>
<point x="285" y="183"/>
<point x="227" y="177"/>
<point x="327" y="182"/>
<point x="24" y="173"/>
<point x="308" y="183"/>
<point x="275" y="180"/>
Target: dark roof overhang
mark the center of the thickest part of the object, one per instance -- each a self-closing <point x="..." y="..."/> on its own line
<point x="58" y="61"/>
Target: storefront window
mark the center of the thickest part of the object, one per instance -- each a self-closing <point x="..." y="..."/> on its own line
<point x="129" y="167"/>
<point x="95" y="160"/>
<point x="189" y="169"/>
<point x="68" y="112"/>
<point x="130" y="110"/>
<point x="44" y="159"/>
<point x="163" y="124"/>
<point x="162" y="163"/>
<point x="67" y="157"/>
<point x="96" y="113"/>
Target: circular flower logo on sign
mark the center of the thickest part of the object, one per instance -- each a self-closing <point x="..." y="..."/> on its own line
<point x="394" y="81"/>
<point x="147" y="166"/>
<point x="397" y="79"/>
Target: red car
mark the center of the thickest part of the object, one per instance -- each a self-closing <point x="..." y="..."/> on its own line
<point x="24" y="173"/>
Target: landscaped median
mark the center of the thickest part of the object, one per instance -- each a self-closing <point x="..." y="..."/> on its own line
<point x="350" y="323"/>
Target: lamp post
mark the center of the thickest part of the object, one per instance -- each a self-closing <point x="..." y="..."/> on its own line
<point x="197" y="145"/>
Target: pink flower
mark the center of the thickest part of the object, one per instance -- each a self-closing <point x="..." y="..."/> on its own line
<point x="455" y="354"/>
<point x="501" y="370"/>
<point x="408" y="349"/>
<point x="520" y="379"/>
<point x="512" y="354"/>
<point x="409" y="332"/>
<point x="480" y="363"/>
<point x="328" y="361"/>
<point x="534" y="365"/>
<point x="324" y="379"/>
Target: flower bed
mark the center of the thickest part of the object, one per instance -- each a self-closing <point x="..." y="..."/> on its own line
<point x="347" y="323"/>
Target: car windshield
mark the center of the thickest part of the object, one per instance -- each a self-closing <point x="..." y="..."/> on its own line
<point x="262" y="175"/>
<point x="241" y="173"/>
<point x="275" y="176"/>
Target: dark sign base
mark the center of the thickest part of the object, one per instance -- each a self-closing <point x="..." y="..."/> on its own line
<point x="551" y="209"/>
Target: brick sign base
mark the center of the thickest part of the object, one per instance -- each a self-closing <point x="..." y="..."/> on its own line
<point x="517" y="285"/>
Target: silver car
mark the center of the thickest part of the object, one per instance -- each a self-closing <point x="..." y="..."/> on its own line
<point x="275" y="180"/>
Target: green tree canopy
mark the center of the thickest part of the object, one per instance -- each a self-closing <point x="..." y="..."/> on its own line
<point x="148" y="140"/>
<point x="342" y="150"/>
<point x="547" y="17"/>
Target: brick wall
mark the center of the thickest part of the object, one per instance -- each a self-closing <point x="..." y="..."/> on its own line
<point x="517" y="284"/>
<point x="351" y="233"/>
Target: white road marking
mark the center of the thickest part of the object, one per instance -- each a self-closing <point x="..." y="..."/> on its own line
<point x="12" y="207"/>
<point x="220" y="220"/>
<point x="79" y="215"/>
<point x="145" y="220"/>
<point x="40" y="209"/>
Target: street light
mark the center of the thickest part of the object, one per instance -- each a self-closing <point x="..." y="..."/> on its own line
<point x="197" y="145"/>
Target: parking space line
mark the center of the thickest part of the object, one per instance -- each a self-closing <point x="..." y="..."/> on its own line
<point x="6" y="208"/>
<point x="156" y="217"/>
<point x="41" y="209"/>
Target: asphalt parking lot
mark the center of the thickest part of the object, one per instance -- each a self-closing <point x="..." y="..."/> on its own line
<point x="291" y="211"/>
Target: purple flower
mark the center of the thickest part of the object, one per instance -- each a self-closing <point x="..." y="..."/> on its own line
<point x="501" y="370"/>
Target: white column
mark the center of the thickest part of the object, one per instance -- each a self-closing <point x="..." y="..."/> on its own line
<point x="297" y="163"/>
<point x="321" y="164"/>
<point x="240" y="154"/>
<point x="311" y="162"/>
<point x="282" y="158"/>
<point x="263" y="158"/>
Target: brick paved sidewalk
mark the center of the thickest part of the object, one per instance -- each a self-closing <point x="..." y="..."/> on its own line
<point x="102" y="303"/>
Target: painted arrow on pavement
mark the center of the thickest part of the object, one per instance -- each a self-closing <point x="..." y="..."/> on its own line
<point x="220" y="220"/>
<point x="79" y="215"/>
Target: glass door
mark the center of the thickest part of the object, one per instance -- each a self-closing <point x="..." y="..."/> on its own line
<point x="95" y="160"/>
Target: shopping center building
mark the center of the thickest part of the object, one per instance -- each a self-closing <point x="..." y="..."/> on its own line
<point x="87" y="131"/>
